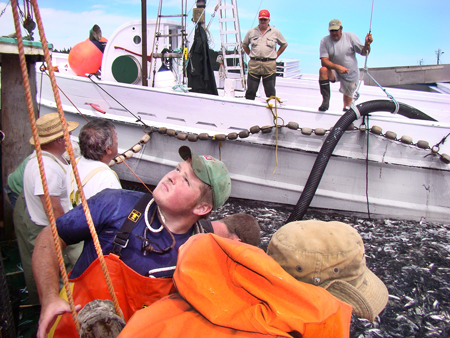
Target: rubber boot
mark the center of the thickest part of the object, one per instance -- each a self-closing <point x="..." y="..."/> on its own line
<point x="325" y="91"/>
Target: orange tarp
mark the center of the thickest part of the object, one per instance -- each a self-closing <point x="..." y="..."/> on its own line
<point x="227" y="288"/>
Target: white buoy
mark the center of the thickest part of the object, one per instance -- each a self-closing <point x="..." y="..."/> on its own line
<point x="164" y="78"/>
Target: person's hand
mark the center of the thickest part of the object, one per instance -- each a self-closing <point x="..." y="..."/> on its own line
<point x="369" y="39"/>
<point x="50" y="312"/>
<point x="341" y="69"/>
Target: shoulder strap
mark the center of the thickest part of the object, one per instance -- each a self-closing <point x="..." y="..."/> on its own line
<point x="121" y="240"/>
<point x="75" y="194"/>
<point x="53" y="158"/>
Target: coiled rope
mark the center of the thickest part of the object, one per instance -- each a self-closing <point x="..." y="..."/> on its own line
<point x="71" y="155"/>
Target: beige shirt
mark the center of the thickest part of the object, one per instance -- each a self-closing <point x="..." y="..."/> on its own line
<point x="264" y="45"/>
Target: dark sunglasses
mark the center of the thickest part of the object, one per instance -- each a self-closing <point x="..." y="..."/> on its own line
<point x="263" y="19"/>
<point x="334" y="30"/>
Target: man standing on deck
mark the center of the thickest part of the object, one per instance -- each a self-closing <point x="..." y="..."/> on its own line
<point x="30" y="217"/>
<point x="337" y="55"/>
<point x="140" y="233"/>
<point x="98" y="146"/>
<point x="263" y="54"/>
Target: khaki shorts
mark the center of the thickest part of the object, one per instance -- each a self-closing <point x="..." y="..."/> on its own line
<point x="262" y="67"/>
<point x="347" y="88"/>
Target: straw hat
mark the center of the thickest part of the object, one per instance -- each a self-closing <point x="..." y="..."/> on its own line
<point x="49" y="128"/>
<point x="330" y="255"/>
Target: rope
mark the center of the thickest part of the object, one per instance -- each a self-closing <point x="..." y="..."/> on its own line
<point x="275" y="120"/>
<point x="43" y="71"/>
<point x="77" y="177"/>
<point x="48" y="203"/>
<point x="367" y="167"/>
<point x="366" y="71"/>
<point x="138" y="118"/>
<point x="123" y="161"/>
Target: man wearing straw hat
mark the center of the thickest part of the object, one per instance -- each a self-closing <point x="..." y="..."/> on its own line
<point x="29" y="215"/>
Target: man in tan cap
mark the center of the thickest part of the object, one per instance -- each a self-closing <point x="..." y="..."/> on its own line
<point x="29" y="224"/>
<point x="337" y="55"/>
<point x="330" y="255"/>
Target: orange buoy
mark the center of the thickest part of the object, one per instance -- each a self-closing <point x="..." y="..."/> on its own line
<point x="85" y="58"/>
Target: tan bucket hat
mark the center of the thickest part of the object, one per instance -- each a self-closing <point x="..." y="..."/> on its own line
<point x="49" y="128"/>
<point x="330" y="255"/>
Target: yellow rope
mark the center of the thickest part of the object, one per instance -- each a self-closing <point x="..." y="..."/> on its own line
<point x="275" y="120"/>
<point x="74" y="167"/>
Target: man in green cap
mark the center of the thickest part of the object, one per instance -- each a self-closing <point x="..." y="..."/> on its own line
<point x="143" y="231"/>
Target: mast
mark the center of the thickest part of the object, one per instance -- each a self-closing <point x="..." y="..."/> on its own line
<point x="144" y="42"/>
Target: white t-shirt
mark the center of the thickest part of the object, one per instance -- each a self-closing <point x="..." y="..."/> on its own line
<point x="102" y="178"/>
<point x="56" y="173"/>
<point x="342" y="52"/>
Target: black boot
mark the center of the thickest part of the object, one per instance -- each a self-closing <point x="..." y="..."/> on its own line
<point x="325" y="91"/>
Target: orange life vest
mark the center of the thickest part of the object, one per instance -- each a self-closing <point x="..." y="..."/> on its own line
<point x="227" y="288"/>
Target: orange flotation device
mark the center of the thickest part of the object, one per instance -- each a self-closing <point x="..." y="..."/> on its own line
<point x="227" y="288"/>
<point x="85" y="57"/>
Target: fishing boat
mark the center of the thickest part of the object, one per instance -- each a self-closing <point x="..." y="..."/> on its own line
<point x="378" y="163"/>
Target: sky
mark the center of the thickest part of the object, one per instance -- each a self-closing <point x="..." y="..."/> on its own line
<point x="405" y="33"/>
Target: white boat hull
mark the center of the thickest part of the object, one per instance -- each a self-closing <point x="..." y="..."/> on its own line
<point x="397" y="180"/>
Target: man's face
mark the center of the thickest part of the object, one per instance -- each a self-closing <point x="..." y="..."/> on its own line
<point x="179" y="190"/>
<point x="115" y="145"/>
<point x="263" y="24"/>
<point x="336" y="34"/>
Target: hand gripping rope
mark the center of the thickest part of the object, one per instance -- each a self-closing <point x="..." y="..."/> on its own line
<point x="366" y="71"/>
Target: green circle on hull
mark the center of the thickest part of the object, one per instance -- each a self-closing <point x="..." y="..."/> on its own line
<point x="125" y="69"/>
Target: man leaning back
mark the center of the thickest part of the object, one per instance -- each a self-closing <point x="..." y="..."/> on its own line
<point x="146" y="246"/>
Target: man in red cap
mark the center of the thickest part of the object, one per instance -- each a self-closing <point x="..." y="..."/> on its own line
<point x="260" y="44"/>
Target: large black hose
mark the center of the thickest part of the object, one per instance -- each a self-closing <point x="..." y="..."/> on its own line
<point x="333" y="138"/>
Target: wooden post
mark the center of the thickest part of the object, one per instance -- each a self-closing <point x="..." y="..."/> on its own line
<point x="15" y="123"/>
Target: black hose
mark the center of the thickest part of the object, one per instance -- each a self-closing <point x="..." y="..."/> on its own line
<point x="333" y="138"/>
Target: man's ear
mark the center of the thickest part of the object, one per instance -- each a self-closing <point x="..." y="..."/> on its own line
<point x="202" y="209"/>
<point x="108" y="150"/>
<point x="234" y="237"/>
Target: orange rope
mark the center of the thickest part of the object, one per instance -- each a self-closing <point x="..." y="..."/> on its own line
<point x="72" y="160"/>
<point x="73" y="104"/>
<point x="48" y="203"/>
<point x="123" y="161"/>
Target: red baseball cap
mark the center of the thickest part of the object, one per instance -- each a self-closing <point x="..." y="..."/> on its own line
<point x="264" y="14"/>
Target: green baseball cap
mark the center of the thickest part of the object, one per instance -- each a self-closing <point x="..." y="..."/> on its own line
<point x="211" y="171"/>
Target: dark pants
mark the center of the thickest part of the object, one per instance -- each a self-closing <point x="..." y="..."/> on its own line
<point x="253" y="84"/>
<point x="11" y="195"/>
